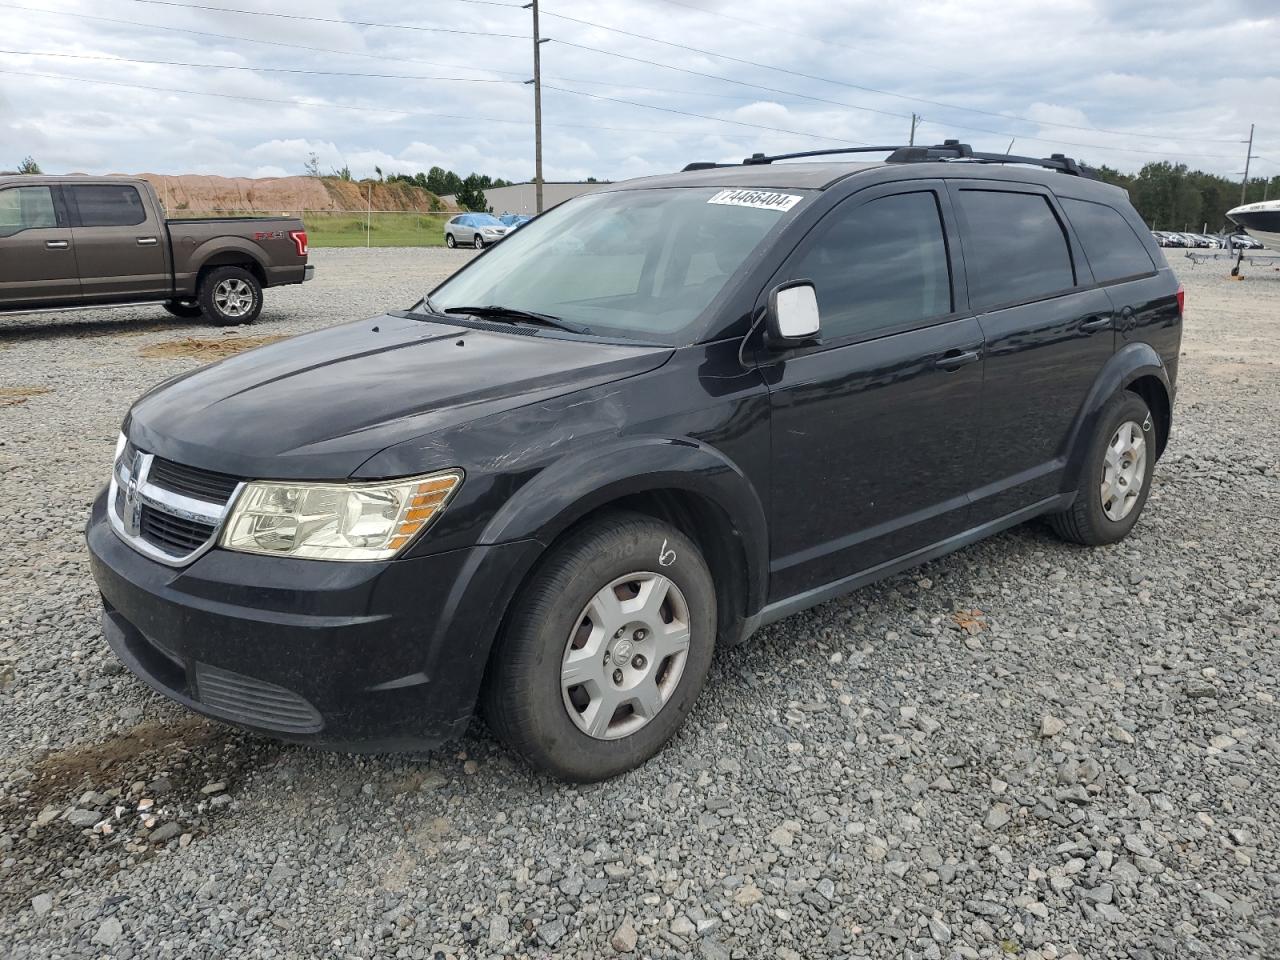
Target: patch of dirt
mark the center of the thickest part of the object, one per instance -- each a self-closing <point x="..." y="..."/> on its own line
<point x="206" y="350"/>
<point x="148" y="779"/>
<point x="14" y="396"/>
<point x="101" y="762"/>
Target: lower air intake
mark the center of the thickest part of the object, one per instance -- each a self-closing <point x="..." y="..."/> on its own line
<point x="254" y="702"/>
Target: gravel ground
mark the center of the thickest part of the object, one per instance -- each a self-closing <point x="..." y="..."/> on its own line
<point x="1024" y="749"/>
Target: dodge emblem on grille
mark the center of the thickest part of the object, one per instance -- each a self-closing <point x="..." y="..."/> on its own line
<point x="132" y="513"/>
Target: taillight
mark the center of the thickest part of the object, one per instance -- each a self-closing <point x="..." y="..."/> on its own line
<point x="299" y="238"/>
<point x="1182" y="299"/>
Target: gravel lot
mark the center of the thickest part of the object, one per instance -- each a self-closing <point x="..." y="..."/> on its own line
<point x="1025" y="749"/>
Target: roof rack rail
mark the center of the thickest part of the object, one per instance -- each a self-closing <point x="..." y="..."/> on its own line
<point x="947" y="150"/>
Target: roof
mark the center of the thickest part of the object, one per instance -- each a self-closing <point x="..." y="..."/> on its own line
<point x="811" y="176"/>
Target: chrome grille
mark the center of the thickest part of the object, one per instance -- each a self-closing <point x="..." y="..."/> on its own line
<point x="169" y="512"/>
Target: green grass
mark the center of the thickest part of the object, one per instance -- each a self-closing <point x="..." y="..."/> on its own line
<point x="388" y="230"/>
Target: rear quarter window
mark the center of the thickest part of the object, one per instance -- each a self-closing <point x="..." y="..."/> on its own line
<point x="1113" y="249"/>
<point x="1015" y="249"/>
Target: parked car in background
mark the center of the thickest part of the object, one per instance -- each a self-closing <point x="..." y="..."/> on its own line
<point x="563" y="479"/>
<point x="1241" y="241"/>
<point x="102" y="241"/>
<point x="474" y="230"/>
<point x="514" y="220"/>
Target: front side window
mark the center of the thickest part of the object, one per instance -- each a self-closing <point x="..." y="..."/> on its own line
<point x="628" y="263"/>
<point x="1014" y="249"/>
<point x="26" y="208"/>
<point x="108" y="204"/>
<point x="878" y="265"/>
<point x="1113" y="249"/>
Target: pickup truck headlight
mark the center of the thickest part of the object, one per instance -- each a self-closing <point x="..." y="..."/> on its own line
<point x="336" y="521"/>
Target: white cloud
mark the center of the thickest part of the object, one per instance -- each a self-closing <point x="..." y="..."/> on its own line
<point x="1183" y="74"/>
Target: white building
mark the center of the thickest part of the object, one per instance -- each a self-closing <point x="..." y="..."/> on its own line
<point x="520" y="197"/>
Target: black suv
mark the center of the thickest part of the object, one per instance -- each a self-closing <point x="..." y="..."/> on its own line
<point x="652" y="420"/>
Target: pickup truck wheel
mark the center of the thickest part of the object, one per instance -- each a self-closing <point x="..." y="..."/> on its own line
<point x="478" y="242"/>
<point x="605" y="649"/>
<point x="230" y="296"/>
<point x="1116" y="477"/>
<point x="186" y="309"/>
<point x="449" y="241"/>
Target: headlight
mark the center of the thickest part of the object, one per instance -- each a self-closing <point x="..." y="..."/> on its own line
<point x="336" y="521"/>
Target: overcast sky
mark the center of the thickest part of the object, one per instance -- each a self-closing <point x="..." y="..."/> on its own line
<point x="1120" y="82"/>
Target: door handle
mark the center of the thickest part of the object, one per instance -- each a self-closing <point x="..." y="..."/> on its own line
<point x="955" y="359"/>
<point x="1102" y="322"/>
<point x="57" y="244"/>
<point x="146" y="241"/>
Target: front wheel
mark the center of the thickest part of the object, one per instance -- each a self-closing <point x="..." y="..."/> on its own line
<point x="1116" y="477"/>
<point x="605" y="650"/>
<point x="478" y="242"/>
<point x="230" y="296"/>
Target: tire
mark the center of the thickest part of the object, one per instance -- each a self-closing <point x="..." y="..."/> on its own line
<point x="449" y="241"/>
<point x="478" y="242"/>
<point x="1091" y="520"/>
<point x="230" y="296"/>
<point x="186" y="309"/>
<point x="563" y="609"/>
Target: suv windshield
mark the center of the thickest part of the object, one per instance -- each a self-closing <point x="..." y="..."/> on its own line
<point x="484" y="220"/>
<point x="628" y="263"/>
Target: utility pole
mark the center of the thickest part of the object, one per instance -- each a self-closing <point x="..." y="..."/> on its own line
<point x="1248" y="155"/>
<point x="537" y="106"/>
<point x="915" y="119"/>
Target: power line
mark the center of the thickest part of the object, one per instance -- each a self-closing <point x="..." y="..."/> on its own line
<point x="854" y="86"/>
<point x="349" y="23"/>
<point x="753" y="63"/>
<point x="394" y="76"/>
<point x="886" y="113"/>
<point x="228" y="66"/>
<point x="668" y="132"/>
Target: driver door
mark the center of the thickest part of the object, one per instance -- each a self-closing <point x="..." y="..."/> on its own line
<point x="876" y="428"/>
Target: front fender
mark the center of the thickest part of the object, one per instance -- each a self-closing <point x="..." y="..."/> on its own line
<point x="1129" y="363"/>
<point x="579" y="483"/>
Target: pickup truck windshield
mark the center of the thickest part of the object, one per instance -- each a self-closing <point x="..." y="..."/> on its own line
<point x="627" y="263"/>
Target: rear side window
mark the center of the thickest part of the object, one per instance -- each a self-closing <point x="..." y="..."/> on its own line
<point x="26" y="208"/>
<point x="1113" y="249"/>
<point x="878" y="265"/>
<point x="108" y="204"/>
<point x="1015" y="249"/>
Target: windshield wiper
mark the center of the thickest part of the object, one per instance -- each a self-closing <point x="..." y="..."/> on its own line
<point x="515" y="314"/>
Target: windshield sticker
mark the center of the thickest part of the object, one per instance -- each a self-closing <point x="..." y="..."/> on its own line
<point x="760" y="199"/>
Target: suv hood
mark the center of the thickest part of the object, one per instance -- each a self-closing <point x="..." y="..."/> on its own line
<point x="318" y="405"/>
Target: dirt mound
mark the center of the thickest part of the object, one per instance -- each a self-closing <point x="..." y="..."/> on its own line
<point x="193" y="195"/>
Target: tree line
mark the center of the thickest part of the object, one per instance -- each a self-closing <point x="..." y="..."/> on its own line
<point x="468" y="191"/>
<point x="1168" y="196"/>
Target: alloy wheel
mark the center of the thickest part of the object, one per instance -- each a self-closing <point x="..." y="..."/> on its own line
<point x="233" y="297"/>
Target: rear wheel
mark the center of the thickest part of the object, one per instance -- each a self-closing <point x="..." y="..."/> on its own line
<point x="186" y="309"/>
<point x="449" y="241"/>
<point x="605" y="650"/>
<point x="230" y="296"/>
<point x="1116" y="477"/>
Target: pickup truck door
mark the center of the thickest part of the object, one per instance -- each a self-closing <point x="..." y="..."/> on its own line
<point x="122" y="244"/>
<point x="37" y="256"/>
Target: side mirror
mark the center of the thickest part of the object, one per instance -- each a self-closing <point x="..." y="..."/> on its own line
<point x="792" y="318"/>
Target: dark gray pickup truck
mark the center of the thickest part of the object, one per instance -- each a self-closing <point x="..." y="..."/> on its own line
<point x="90" y="241"/>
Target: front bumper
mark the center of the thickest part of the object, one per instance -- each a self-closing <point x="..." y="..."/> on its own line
<point x="355" y="656"/>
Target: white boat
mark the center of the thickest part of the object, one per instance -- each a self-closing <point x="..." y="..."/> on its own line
<point x="1260" y="220"/>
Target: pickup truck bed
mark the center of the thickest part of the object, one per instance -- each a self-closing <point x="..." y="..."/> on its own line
<point x="85" y="241"/>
